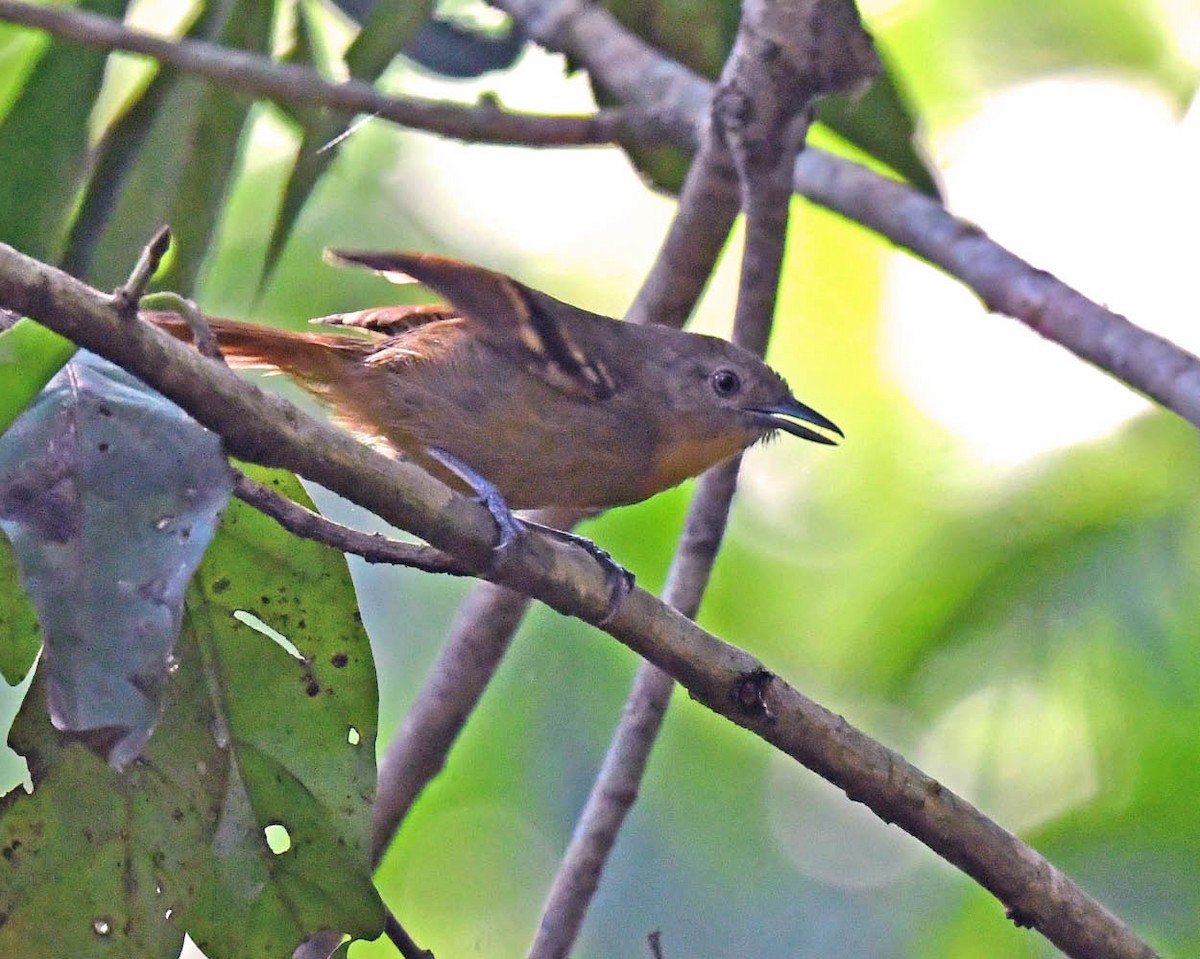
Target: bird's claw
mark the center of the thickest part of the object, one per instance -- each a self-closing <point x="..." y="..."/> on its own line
<point x="620" y="580"/>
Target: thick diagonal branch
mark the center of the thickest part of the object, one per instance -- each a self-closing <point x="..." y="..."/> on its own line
<point x="268" y="430"/>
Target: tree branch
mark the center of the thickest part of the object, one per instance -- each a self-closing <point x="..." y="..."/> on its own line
<point x="298" y="86"/>
<point x="271" y="431"/>
<point x="373" y="547"/>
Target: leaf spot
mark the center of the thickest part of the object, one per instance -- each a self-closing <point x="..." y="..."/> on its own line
<point x="102" y="926"/>
<point x="353" y="737"/>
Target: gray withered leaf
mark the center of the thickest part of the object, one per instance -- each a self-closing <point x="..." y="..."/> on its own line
<point x="109" y="494"/>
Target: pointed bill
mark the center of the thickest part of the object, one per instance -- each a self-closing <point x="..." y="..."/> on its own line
<point x="782" y="416"/>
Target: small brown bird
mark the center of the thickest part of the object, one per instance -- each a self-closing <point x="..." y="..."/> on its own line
<point x="522" y="398"/>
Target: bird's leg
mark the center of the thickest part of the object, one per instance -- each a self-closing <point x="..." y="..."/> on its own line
<point x="620" y="580"/>
<point x="486" y="493"/>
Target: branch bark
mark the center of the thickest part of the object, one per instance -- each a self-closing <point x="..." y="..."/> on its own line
<point x="298" y="86"/>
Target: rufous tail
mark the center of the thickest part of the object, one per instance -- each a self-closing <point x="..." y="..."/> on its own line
<point x="314" y="360"/>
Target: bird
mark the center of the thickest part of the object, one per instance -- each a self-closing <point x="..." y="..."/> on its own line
<point x="519" y="398"/>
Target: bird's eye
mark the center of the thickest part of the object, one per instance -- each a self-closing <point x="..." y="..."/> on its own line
<point x="726" y="382"/>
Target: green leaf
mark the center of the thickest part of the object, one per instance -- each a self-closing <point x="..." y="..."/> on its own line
<point x="30" y="355"/>
<point x="387" y="31"/>
<point x="44" y="141"/>
<point x="95" y="862"/>
<point x="20" y="50"/>
<point x="110" y="494"/>
<point x="20" y="637"/>
<point x="301" y="733"/>
<point x="251" y="737"/>
<point x="185" y="136"/>
<point x="880" y="123"/>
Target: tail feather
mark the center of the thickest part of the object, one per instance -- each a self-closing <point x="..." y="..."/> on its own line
<point x="313" y="359"/>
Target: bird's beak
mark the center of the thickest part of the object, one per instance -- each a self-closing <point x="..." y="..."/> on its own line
<point x="780" y="416"/>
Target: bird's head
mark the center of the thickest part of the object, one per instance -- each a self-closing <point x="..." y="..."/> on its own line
<point x="714" y="379"/>
<point x="719" y="399"/>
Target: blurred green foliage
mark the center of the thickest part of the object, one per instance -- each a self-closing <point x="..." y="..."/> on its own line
<point x="1027" y="635"/>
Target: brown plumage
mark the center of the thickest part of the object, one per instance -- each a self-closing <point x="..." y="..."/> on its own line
<point x="551" y="404"/>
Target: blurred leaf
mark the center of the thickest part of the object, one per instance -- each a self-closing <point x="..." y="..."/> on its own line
<point x="30" y="355"/>
<point x="109" y="495"/>
<point x="44" y="139"/>
<point x="388" y="31"/>
<point x="98" y="862"/>
<point x="1087" y="534"/>
<point x="880" y="123"/>
<point x="169" y="160"/>
<point x="451" y="50"/>
<point x="20" y="50"/>
<point x="121" y="146"/>
<point x="302" y="731"/>
<point x="1042" y="37"/>
<point x="954" y="52"/>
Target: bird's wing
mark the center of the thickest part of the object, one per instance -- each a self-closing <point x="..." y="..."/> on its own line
<point x="391" y="320"/>
<point x="509" y="314"/>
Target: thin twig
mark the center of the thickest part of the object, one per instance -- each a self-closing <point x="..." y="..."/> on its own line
<point x="127" y="296"/>
<point x="298" y="86"/>
<point x="203" y="337"/>
<point x="731" y="682"/>
<point x="373" y="547"/>
<point x="401" y="939"/>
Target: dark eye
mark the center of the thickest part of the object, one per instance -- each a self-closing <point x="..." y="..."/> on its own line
<point x="726" y="382"/>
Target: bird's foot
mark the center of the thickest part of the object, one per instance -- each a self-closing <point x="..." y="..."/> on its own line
<point x="511" y="528"/>
<point x="620" y="580"/>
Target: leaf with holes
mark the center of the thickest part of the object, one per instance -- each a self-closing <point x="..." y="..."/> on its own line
<point x="246" y="820"/>
<point x="109" y="494"/>
<point x="143" y="833"/>
<point x="291" y="669"/>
